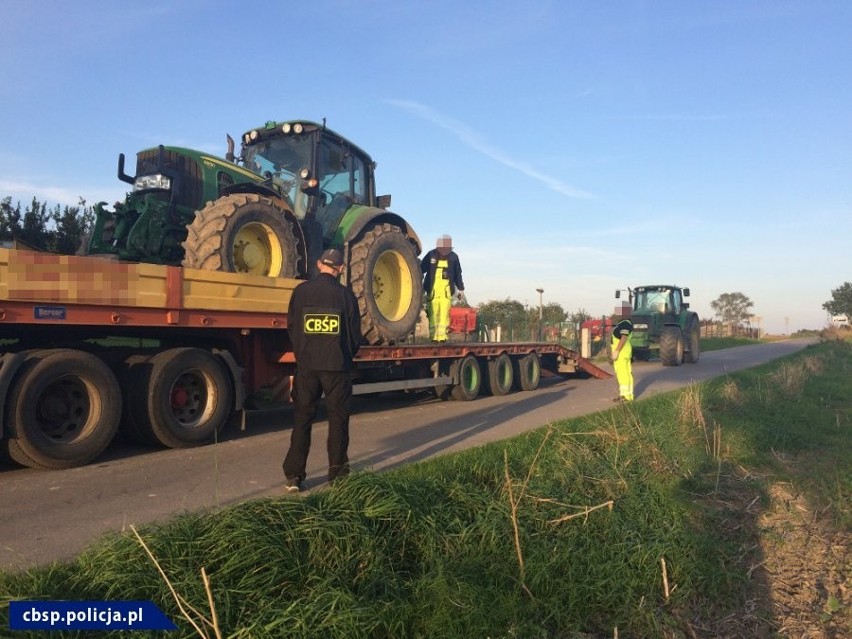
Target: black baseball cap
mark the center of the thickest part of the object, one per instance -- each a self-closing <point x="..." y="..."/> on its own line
<point x="332" y="257"/>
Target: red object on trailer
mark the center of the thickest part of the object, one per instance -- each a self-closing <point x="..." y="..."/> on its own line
<point x="167" y="355"/>
<point x="462" y="320"/>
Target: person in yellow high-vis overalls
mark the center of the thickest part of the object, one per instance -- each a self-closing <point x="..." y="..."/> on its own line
<point x="622" y="356"/>
<point x="442" y="280"/>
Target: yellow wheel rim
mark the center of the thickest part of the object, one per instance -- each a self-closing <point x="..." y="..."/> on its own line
<point x="392" y="288"/>
<point x="257" y="250"/>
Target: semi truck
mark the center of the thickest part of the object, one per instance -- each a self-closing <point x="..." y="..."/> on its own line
<point x="168" y="355"/>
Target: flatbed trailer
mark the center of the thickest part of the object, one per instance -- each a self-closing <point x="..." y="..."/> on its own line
<point x="168" y="355"/>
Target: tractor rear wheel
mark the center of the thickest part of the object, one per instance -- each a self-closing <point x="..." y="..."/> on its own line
<point x="242" y="233"/>
<point x="671" y="346"/>
<point x="385" y="278"/>
<point x="693" y="343"/>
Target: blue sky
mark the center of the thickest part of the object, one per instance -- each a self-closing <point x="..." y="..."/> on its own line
<point x="577" y="147"/>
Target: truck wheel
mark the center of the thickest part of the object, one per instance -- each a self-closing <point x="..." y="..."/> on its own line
<point x="466" y="371"/>
<point x="242" y="233"/>
<point x="500" y="375"/>
<point x="186" y="397"/>
<point x="671" y="346"/>
<point x="385" y="278"/>
<point x="693" y="343"/>
<point x="63" y="409"/>
<point x="133" y="380"/>
<point x="528" y="372"/>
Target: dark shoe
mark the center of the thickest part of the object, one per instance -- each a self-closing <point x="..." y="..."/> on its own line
<point x="618" y="399"/>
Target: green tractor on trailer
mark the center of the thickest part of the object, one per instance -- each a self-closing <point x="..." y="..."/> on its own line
<point x="663" y="322"/>
<point x="295" y="189"/>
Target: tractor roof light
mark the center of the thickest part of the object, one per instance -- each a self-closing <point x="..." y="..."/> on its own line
<point x="298" y="128"/>
<point x="254" y="135"/>
<point x="285" y="128"/>
<point x="309" y="182"/>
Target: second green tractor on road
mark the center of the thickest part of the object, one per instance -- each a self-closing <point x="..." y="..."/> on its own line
<point x="295" y="189"/>
<point x="663" y="323"/>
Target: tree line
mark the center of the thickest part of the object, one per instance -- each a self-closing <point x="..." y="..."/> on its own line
<point x="55" y="229"/>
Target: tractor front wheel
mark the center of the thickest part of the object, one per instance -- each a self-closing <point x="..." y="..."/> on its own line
<point x="671" y="346"/>
<point x="385" y="278"/>
<point x="693" y="343"/>
<point x="242" y="233"/>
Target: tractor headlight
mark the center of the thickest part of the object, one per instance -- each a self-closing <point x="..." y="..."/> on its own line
<point x="640" y="327"/>
<point x="149" y="182"/>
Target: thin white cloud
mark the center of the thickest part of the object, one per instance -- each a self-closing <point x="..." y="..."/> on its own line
<point x="475" y="141"/>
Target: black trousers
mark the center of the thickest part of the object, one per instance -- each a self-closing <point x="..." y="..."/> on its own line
<point x="309" y="387"/>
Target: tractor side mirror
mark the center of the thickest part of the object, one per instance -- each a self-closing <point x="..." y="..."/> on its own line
<point x="617" y="294"/>
<point x="383" y="201"/>
<point x="686" y="292"/>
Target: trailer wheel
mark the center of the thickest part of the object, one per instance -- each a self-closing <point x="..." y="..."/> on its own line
<point x="186" y="397"/>
<point x="242" y="233"/>
<point x="693" y="341"/>
<point x="63" y="409"/>
<point x="528" y="372"/>
<point x="386" y="280"/>
<point x="671" y="346"/>
<point x="500" y="375"/>
<point x="467" y="371"/>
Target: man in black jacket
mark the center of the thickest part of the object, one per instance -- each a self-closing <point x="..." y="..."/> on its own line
<point x="443" y="279"/>
<point x="325" y="329"/>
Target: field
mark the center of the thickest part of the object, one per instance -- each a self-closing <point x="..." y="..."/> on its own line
<point x="721" y="510"/>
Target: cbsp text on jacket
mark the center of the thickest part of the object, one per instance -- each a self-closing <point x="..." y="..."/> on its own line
<point x="324" y="325"/>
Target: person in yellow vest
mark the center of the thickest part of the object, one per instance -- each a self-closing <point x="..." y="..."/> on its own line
<point x="622" y="355"/>
<point x="443" y="280"/>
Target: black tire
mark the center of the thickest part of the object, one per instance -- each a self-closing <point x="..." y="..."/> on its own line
<point x="501" y="376"/>
<point x="671" y="346"/>
<point x="243" y="233"/>
<point x="385" y="278"/>
<point x="693" y="343"/>
<point x="466" y="370"/>
<point x="185" y="398"/>
<point x="527" y="372"/>
<point x="135" y="426"/>
<point x="62" y="410"/>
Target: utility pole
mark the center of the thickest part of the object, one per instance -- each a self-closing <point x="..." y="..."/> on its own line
<point x="540" y="292"/>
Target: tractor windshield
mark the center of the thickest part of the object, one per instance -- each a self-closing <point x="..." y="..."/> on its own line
<point x="653" y="300"/>
<point x="280" y="159"/>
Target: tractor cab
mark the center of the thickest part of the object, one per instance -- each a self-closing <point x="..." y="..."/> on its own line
<point x="319" y="173"/>
<point x="662" y="300"/>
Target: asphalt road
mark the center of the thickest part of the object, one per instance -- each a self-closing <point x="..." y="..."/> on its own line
<point x="52" y="515"/>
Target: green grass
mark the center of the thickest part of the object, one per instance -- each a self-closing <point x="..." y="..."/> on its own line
<point x="719" y="343"/>
<point x="553" y="533"/>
